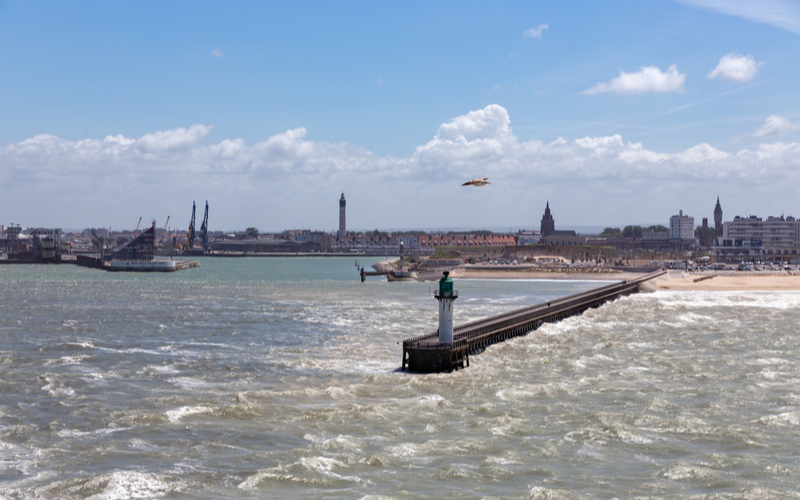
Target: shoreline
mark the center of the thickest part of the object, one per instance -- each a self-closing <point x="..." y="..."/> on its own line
<point x="673" y="280"/>
<point x="726" y="281"/>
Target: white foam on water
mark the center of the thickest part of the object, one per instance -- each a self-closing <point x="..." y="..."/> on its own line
<point x="162" y="369"/>
<point x="97" y="432"/>
<point x="688" y="472"/>
<point x="188" y="383"/>
<point x="75" y="359"/>
<point x="787" y="419"/>
<point x="315" y="470"/>
<point x="175" y="416"/>
<point x="57" y="388"/>
<point x="122" y="485"/>
<point x="86" y="344"/>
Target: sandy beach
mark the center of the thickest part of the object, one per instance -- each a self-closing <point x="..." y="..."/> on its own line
<point x="727" y="281"/>
<point x="722" y="281"/>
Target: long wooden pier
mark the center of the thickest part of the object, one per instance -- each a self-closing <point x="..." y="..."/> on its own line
<point x="425" y="354"/>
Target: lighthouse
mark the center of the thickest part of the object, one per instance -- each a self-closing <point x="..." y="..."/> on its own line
<point x="446" y="296"/>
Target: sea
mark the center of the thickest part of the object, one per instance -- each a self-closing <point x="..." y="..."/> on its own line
<point x="280" y="378"/>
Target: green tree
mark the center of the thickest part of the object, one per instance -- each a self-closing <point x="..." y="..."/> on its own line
<point x="632" y="232"/>
<point x="611" y="232"/>
<point x="251" y="232"/>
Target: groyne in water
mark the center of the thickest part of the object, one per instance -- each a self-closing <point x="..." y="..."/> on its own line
<point x="425" y="354"/>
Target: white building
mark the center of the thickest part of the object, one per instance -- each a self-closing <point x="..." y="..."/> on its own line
<point x="752" y="239"/>
<point x="681" y="227"/>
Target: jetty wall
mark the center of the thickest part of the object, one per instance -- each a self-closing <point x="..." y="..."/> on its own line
<point x="425" y="354"/>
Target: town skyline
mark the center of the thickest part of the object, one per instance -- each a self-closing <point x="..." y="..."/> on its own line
<point x="617" y="114"/>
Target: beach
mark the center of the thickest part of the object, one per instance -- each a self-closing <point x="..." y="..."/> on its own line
<point x="727" y="281"/>
<point x="723" y="281"/>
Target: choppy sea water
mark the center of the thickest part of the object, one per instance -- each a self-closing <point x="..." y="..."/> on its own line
<point x="278" y="378"/>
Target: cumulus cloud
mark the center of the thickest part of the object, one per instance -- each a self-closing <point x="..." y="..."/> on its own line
<point x="536" y="32"/>
<point x="288" y="181"/>
<point x="775" y="125"/>
<point x="736" y="68"/>
<point x="648" y="79"/>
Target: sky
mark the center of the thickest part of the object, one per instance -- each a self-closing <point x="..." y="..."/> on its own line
<point x="615" y="113"/>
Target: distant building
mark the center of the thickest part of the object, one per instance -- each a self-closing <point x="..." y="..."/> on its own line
<point x="718" y="218"/>
<point x="751" y="239"/>
<point x="528" y="237"/>
<point x="705" y="234"/>
<point x="46" y="244"/>
<point x="342" y="218"/>
<point x="550" y="236"/>
<point x="565" y="239"/>
<point x="466" y="240"/>
<point x="266" y="246"/>
<point x="681" y="227"/>
<point x="548" y="223"/>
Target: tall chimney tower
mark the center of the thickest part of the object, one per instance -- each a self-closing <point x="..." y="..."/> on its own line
<point x="342" y="218"/>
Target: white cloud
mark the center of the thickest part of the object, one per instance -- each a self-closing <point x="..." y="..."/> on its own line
<point x="536" y="32"/>
<point x="179" y="138"/>
<point x="217" y="53"/>
<point x="290" y="181"/>
<point x="779" y="13"/>
<point x="735" y="68"/>
<point x="775" y="125"/>
<point x="648" y="79"/>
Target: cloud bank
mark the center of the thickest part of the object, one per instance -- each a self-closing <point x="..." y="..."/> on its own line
<point x="648" y="79"/>
<point x="288" y="181"/>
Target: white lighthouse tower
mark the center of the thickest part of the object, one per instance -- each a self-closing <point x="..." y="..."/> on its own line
<point x="446" y="296"/>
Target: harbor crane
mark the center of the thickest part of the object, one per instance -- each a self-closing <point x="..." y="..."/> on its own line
<point x="190" y="237"/>
<point x="204" y="231"/>
<point x="164" y="232"/>
<point x="137" y="227"/>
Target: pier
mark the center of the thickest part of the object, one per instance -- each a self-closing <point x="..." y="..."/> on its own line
<point x="144" y="266"/>
<point x="427" y="354"/>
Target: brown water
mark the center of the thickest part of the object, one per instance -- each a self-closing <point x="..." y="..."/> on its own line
<point x="277" y="378"/>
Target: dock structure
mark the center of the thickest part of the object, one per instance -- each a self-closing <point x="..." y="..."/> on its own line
<point x="429" y="354"/>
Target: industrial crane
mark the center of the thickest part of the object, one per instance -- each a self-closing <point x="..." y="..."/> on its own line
<point x="164" y="232"/>
<point x="190" y="237"/>
<point x="137" y="227"/>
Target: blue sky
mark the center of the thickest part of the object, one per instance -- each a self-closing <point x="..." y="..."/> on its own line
<point x="616" y="112"/>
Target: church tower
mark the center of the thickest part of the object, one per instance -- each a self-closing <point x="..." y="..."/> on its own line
<point x="548" y="224"/>
<point x="718" y="217"/>
<point x="342" y="219"/>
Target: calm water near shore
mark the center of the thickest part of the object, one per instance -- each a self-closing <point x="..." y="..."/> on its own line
<point x="278" y="378"/>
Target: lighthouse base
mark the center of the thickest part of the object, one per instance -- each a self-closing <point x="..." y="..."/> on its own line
<point x="434" y="357"/>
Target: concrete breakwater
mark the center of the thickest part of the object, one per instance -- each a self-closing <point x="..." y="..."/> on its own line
<point x="426" y="354"/>
<point x="98" y="263"/>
